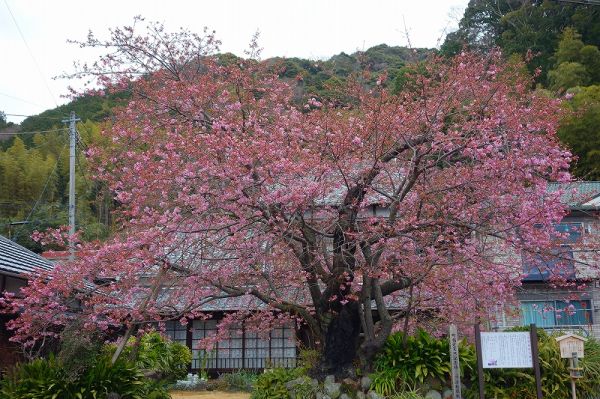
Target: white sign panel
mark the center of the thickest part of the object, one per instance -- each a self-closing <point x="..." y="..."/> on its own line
<point x="506" y="350"/>
<point x="570" y="344"/>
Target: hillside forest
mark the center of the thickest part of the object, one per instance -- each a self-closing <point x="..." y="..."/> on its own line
<point x="559" y="40"/>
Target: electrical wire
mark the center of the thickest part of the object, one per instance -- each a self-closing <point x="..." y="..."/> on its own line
<point x="56" y="118"/>
<point x="21" y="99"/>
<point x="82" y="142"/>
<point x="31" y="53"/>
<point x="32" y="132"/>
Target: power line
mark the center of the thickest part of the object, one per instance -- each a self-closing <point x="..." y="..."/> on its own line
<point x="31" y="53"/>
<point x="35" y="116"/>
<point x="21" y="99"/>
<point x="86" y="178"/>
<point x="82" y="142"/>
<point x="32" y="132"/>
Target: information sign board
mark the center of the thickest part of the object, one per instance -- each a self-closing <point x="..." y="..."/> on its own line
<point x="506" y="350"/>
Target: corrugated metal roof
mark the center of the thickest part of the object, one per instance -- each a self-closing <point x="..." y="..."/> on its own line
<point x="16" y="259"/>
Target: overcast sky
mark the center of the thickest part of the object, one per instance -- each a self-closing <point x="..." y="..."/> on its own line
<point x="310" y="29"/>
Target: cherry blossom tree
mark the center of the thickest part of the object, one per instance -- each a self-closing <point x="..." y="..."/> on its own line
<point x="353" y="219"/>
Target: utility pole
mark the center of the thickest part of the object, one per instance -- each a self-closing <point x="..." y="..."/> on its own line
<point x="72" y="144"/>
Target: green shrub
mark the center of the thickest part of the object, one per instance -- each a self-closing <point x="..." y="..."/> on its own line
<point x="103" y="378"/>
<point x="412" y="394"/>
<point x="168" y="360"/>
<point x="240" y="380"/>
<point x="309" y="358"/>
<point x="520" y="383"/>
<point x="304" y="387"/>
<point x="156" y="390"/>
<point x="385" y="381"/>
<point x="41" y="378"/>
<point x="47" y="379"/>
<point x="271" y="384"/>
<point x="591" y="367"/>
<point x="421" y="357"/>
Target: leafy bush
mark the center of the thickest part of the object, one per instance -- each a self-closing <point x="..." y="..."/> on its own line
<point x="47" y="378"/>
<point x="168" y="360"/>
<point x="520" y="383"/>
<point x="240" y="380"/>
<point x="104" y="378"/>
<point x="426" y="357"/>
<point x="41" y="378"/>
<point x="304" y="387"/>
<point x="408" y="395"/>
<point x="591" y="367"/>
<point x="410" y="363"/>
<point x="271" y="384"/>
<point x="385" y="381"/>
<point x="309" y="358"/>
<point x="421" y="357"/>
<point x="156" y="390"/>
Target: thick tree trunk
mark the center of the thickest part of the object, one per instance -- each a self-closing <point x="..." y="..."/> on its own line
<point x="342" y="340"/>
<point x="366" y="353"/>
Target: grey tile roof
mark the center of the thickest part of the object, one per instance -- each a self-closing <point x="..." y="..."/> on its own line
<point x="16" y="259"/>
<point x="578" y="194"/>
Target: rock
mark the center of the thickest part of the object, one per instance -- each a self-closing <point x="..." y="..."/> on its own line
<point x="433" y="395"/>
<point x="344" y="396"/>
<point x="301" y="383"/>
<point x="447" y="394"/>
<point x="350" y="383"/>
<point x="373" y="395"/>
<point x="434" y="384"/>
<point x="365" y="383"/>
<point x="291" y="384"/>
<point x="332" y="389"/>
<point x="360" y="395"/>
<point x="329" y="379"/>
<point x="322" y="396"/>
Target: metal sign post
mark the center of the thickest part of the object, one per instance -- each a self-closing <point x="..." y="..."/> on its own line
<point x="454" y="362"/>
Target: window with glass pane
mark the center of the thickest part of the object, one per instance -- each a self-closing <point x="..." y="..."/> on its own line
<point x="540" y="268"/>
<point x="256" y="350"/>
<point x="540" y="313"/>
<point x="176" y="331"/>
<point x="200" y="330"/>
<point x="557" y="313"/>
<point x="573" y="313"/>
<point x="283" y="347"/>
<point x="229" y="350"/>
<point x="574" y="231"/>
